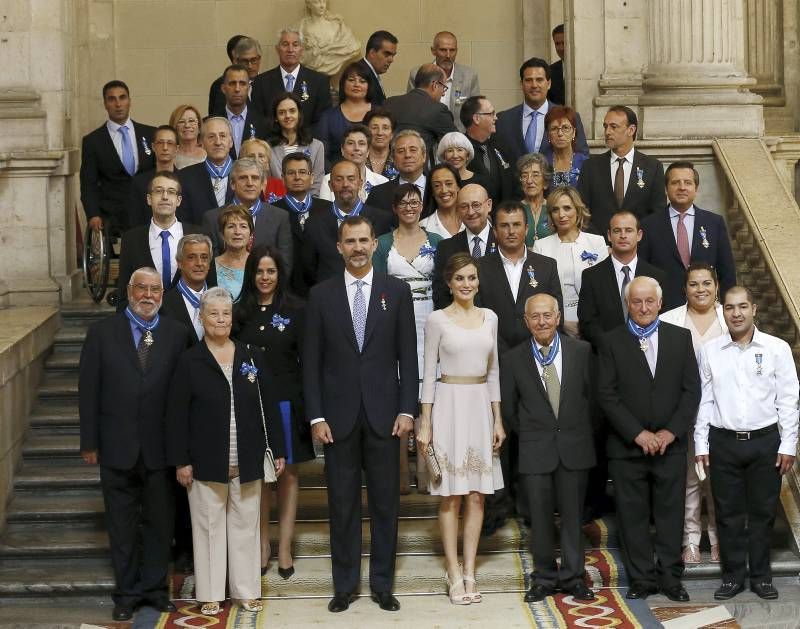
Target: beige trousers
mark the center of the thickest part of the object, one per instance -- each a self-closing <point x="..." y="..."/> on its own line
<point x="226" y="531"/>
<point x="695" y="492"/>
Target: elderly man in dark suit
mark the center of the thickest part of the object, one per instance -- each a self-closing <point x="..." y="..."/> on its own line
<point x="421" y="109"/>
<point x="110" y="156"/>
<point x="246" y="120"/>
<point x="360" y="381"/>
<point x="649" y="388"/>
<point x="546" y="389"/>
<point x="490" y="163"/>
<point x="380" y="53"/>
<point x="681" y="233"/>
<point x="126" y="364"/>
<point x="311" y="87"/>
<point x="622" y="178"/>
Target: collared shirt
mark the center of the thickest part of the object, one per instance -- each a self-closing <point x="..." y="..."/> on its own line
<point x="618" y="270"/>
<point x="735" y="396"/>
<point x="369" y="65"/>
<point x="484" y="238"/>
<point x="446" y="98"/>
<point x="556" y="362"/>
<point x="154" y="238"/>
<point x="194" y="313"/>
<point x="294" y="73"/>
<point x="688" y="221"/>
<point x="513" y="271"/>
<point x="527" y="110"/>
<point x="627" y="167"/>
<point x="419" y="182"/>
<point x="116" y="138"/>
<point x="237" y="122"/>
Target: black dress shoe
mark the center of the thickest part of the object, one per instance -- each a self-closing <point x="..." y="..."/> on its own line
<point x="676" y="593"/>
<point x="538" y="593"/>
<point x="580" y="592"/>
<point x="340" y="602"/>
<point x="640" y="591"/>
<point x="386" y="601"/>
<point x="286" y="573"/>
<point x="122" y="612"/>
<point x="728" y="590"/>
<point x="764" y="590"/>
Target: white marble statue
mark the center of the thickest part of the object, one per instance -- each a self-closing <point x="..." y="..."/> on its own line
<point x="329" y="42"/>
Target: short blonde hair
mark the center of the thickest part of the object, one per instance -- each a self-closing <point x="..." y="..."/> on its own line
<point x="583" y="216"/>
<point x="258" y="142"/>
<point x="178" y="112"/>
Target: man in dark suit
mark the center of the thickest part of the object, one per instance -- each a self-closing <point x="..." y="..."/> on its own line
<point x="165" y="148"/>
<point x="490" y="163"/>
<point x="682" y="234"/>
<point x="156" y="243"/>
<point x="110" y="156"/>
<point x="409" y="154"/>
<point x="421" y="109"/>
<point x="520" y="130"/>
<point x="311" y="87"/>
<point x="298" y="177"/>
<point x="246" y="121"/>
<point x="206" y="185"/>
<point x="247" y="53"/>
<point x="558" y="93"/>
<point x="381" y="51"/>
<point x="321" y="257"/>
<point x="125" y="370"/>
<point x="473" y="206"/>
<point x="546" y="389"/>
<point x="216" y="102"/>
<point x="360" y="381"/>
<point x="622" y="178"/>
<point x="649" y="388"/>
<point x="270" y="224"/>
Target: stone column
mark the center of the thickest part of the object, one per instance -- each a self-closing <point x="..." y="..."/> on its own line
<point x="695" y="82"/>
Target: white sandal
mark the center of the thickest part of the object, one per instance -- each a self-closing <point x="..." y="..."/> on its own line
<point x="476" y="596"/>
<point x="455" y="589"/>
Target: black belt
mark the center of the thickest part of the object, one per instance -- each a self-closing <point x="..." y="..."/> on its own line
<point x="745" y="435"/>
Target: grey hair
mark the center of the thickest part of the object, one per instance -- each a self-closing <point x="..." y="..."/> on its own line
<point x="406" y="133"/>
<point x="246" y="163"/>
<point x="536" y="158"/>
<point x="202" y="130"/>
<point x="245" y="44"/>
<point x="292" y="30"/>
<point x="149" y="270"/>
<point x="217" y="293"/>
<point x="454" y="139"/>
<point x="193" y="239"/>
<point x="643" y="279"/>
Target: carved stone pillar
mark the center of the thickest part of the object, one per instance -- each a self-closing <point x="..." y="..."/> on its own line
<point x="764" y="49"/>
<point x="695" y="82"/>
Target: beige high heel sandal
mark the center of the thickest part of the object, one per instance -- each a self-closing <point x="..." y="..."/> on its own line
<point x="455" y="589"/>
<point x="253" y="605"/>
<point x="476" y="596"/>
<point x="210" y="609"/>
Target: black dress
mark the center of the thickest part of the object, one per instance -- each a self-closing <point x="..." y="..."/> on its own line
<point x="279" y="334"/>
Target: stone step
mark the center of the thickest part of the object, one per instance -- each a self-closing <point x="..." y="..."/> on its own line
<point x="64" y="507"/>
<point x="74" y="578"/>
<point x="85" y="310"/>
<point x="59" y="387"/>
<point x="66" y="360"/>
<point x="71" y="335"/>
<point x="45" y="445"/>
<point x="59" y="416"/>
<point x="37" y="541"/>
<point x="41" y="475"/>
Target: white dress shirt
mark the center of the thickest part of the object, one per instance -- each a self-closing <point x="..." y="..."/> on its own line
<point x="513" y="271"/>
<point x="419" y="182"/>
<point x="194" y="313"/>
<point x="483" y="236"/>
<point x="154" y="238"/>
<point x="556" y="362"/>
<point x="433" y="224"/>
<point x="527" y="119"/>
<point x="627" y="167"/>
<point x="116" y="138"/>
<point x="618" y="270"/>
<point x="294" y="73"/>
<point x="688" y="221"/>
<point x="736" y="397"/>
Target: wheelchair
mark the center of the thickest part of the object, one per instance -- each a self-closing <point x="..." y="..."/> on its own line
<point x="98" y="253"/>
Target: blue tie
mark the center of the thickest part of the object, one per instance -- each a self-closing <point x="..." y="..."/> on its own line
<point x="128" y="161"/>
<point x="237" y="122"/>
<point x="359" y="314"/>
<point x="530" y="134"/>
<point x="289" y="82"/>
<point x="166" y="260"/>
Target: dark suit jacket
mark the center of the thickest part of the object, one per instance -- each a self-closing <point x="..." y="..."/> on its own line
<point x="634" y="400"/>
<point x="382" y="195"/>
<point x="122" y="409"/>
<point x="216" y="99"/>
<point x="173" y="306"/>
<point x="599" y="303"/>
<point x="255" y="126"/>
<point x="321" y="258"/>
<point x="558" y="91"/>
<point x="416" y="110"/>
<point x="597" y="191"/>
<point x="659" y="247"/>
<point x="338" y="379"/>
<point x="198" y="192"/>
<point x="135" y="253"/>
<point x="444" y="251"/>
<point x="499" y="180"/>
<point x="299" y="280"/>
<point x="495" y="293"/>
<point x="317" y="92"/>
<point x="199" y="416"/>
<point x="139" y="213"/>
<point x="375" y="93"/>
<point x="544" y="439"/>
<point x="105" y="184"/>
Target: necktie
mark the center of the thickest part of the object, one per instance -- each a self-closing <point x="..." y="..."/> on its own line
<point x="619" y="182"/>
<point x="625" y="281"/>
<point x="530" y="134"/>
<point x="650" y="356"/>
<point x="359" y="314"/>
<point x="551" y="383"/>
<point x="476" y="247"/>
<point x="142" y="350"/>
<point x="237" y="122"/>
<point x="166" y="260"/>
<point x="128" y="161"/>
<point x="289" y="82"/>
<point x="683" y="240"/>
<point x="487" y="163"/>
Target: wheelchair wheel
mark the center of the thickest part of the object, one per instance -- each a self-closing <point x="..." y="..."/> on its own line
<point x="96" y="262"/>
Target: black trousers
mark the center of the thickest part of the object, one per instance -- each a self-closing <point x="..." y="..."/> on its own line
<point x="746" y="486"/>
<point x="563" y="489"/>
<point x="138" y="500"/>
<point x="379" y="457"/>
<point x="651" y="485"/>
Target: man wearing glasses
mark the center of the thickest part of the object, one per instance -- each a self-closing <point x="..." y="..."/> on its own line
<point x="490" y="162"/>
<point x="165" y="148"/>
<point x="247" y="53"/>
<point x="422" y="110"/>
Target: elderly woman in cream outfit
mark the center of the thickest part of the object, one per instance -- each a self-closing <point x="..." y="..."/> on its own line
<point x="573" y="248"/>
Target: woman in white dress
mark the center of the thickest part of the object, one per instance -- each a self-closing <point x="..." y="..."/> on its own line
<point x="461" y="418"/>
<point x="356" y="143"/>
<point x="407" y="253"/>
<point x="443" y="186"/>
<point x="573" y="248"/>
<point x="702" y="316"/>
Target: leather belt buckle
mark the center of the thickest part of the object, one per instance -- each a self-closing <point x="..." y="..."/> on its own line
<point x="742" y="435"/>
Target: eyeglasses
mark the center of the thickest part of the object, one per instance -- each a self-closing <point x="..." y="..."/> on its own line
<point x="296" y="173"/>
<point x="443" y="86"/>
<point x="486" y="113"/>
<point x="144" y="288"/>
<point x="165" y="142"/>
<point x="525" y="176"/>
<point x="189" y="123"/>
<point x="413" y="204"/>
<point x="170" y="192"/>
<point x="249" y="61"/>
<point x="563" y="129"/>
<point x="475" y="205"/>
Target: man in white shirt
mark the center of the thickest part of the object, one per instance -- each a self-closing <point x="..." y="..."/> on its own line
<point x="182" y="301"/>
<point x="746" y="432"/>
